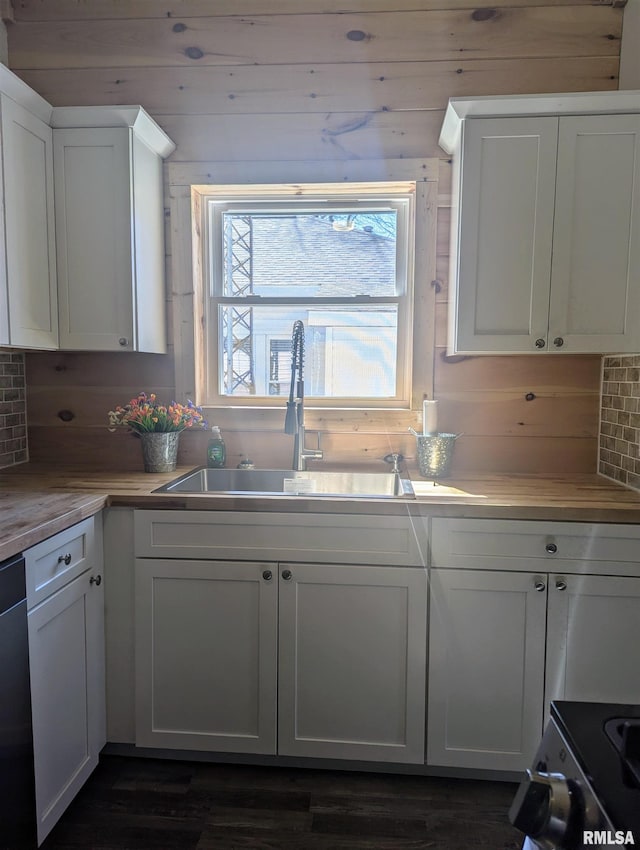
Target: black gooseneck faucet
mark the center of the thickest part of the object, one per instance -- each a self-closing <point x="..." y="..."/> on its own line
<point x="294" y="420"/>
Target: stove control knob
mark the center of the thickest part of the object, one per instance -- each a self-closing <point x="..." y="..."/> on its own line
<point x="542" y="808"/>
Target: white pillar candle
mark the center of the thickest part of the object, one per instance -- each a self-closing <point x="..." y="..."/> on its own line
<point x="429" y="417"/>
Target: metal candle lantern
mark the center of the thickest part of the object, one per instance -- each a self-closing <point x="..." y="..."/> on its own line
<point x="435" y="452"/>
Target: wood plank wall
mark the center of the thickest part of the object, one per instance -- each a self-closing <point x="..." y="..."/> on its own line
<point x="261" y="88"/>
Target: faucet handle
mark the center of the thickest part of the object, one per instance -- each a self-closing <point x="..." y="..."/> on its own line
<point x="291" y="418"/>
<point x="395" y="458"/>
<point x="315" y="454"/>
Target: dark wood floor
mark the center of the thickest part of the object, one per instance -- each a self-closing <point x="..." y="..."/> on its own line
<point x="146" y="804"/>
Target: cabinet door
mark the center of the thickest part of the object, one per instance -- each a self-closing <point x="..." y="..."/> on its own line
<point x="66" y="656"/>
<point x="486" y="668"/>
<point x="507" y="190"/>
<point x="149" y="255"/>
<point x="94" y="231"/>
<point x="352" y="655"/>
<point x="595" y="297"/>
<point x="593" y="639"/>
<point x="206" y="638"/>
<point x="29" y="225"/>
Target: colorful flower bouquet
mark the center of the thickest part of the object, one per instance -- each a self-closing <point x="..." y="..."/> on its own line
<point x="146" y="415"/>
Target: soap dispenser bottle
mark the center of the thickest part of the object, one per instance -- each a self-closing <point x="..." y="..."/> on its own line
<point x="216" y="450"/>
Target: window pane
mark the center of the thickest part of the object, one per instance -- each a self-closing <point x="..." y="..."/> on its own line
<point x="349" y="353"/>
<point x="309" y="254"/>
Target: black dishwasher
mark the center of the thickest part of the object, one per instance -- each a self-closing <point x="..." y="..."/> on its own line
<point x="17" y="794"/>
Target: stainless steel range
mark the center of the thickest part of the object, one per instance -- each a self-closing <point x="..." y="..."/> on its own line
<point x="584" y="787"/>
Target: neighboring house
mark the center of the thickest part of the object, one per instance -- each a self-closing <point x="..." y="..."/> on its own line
<point x="301" y="256"/>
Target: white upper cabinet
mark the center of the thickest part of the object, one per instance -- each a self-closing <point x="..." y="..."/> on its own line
<point x="82" y="262"/>
<point x="110" y="228"/>
<point x="545" y="243"/>
<point x="28" y="300"/>
<point x="506" y="234"/>
<point x="595" y="296"/>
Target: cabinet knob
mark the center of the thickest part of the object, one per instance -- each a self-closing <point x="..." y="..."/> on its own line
<point x="66" y="559"/>
<point x="540" y="343"/>
<point x="558" y="342"/>
<point x="123" y="341"/>
<point x="97" y="580"/>
<point x="267" y="575"/>
<point x="551" y="548"/>
<point x="561" y="584"/>
<point x="287" y="575"/>
<point x="539" y="585"/>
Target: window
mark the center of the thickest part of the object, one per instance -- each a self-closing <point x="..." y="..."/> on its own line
<point x="338" y="258"/>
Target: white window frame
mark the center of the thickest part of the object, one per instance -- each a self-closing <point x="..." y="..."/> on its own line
<point x="309" y="197"/>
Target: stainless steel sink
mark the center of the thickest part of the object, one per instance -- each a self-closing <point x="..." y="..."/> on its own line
<point x="380" y="485"/>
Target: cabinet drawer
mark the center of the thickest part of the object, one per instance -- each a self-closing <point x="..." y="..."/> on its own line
<point x="327" y="538"/>
<point x="56" y="561"/>
<point x="538" y="546"/>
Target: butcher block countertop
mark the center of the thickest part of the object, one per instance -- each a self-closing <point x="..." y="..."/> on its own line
<point x="38" y="501"/>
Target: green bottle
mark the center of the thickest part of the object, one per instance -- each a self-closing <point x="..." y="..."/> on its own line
<point x="216" y="450"/>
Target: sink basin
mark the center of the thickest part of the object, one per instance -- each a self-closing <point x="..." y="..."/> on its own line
<point x="380" y="485"/>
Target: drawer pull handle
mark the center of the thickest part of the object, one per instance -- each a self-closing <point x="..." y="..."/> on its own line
<point x="66" y="558"/>
<point x="287" y="575"/>
<point x="561" y="584"/>
<point x="551" y="548"/>
<point x="267" y="575"/>
<point x="539" y="585"/>
<point x="97" y="580"/>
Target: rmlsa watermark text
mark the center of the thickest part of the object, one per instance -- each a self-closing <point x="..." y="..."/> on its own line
<point x="607" y="838"/>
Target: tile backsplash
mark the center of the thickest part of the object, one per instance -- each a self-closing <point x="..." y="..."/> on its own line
<point x="619" y="452"/>
<point x="13" y="409"/>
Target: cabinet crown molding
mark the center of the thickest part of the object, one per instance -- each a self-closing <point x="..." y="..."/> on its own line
<point x="134" y="117"/>
<point x="16" y="89"/>
<point x="573" y="103"/>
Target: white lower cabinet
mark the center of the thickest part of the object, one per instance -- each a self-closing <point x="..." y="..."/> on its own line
<point x="486" y="669"/>
<point x="66" y="658"/>
<point x="593" y="639"/>
<point x="283" y="658"/>
<point x="504" y="642"/>
<point x="206" y="644"/>
<point x="318" y="647"/>
<point x="352" y="661"/>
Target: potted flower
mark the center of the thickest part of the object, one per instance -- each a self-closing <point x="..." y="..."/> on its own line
<point x="159" y="427"/>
